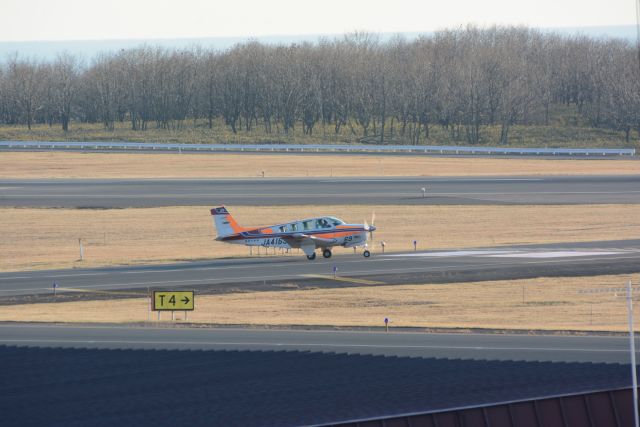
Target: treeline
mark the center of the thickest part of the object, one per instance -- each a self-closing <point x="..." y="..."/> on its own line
<point x="462" y="80"/>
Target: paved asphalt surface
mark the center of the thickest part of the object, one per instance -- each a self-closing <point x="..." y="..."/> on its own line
<point x="299" y="191"/>
<point x="611" y="257"/>
<point x="463" y="346"/>
<point x="353" y="270"/>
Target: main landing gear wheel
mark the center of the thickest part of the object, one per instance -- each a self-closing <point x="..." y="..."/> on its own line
<point x="311" y="257"/>
<point x="326" y="253"/>
<point x="366" y="253"/>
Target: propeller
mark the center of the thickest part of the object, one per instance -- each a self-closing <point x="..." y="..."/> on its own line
<point x="370" y="228"/>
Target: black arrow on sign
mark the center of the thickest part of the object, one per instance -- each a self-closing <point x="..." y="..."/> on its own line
<point x="185" y="300"/>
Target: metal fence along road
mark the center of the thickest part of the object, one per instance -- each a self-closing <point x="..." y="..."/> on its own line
<point x="425" y="149"/>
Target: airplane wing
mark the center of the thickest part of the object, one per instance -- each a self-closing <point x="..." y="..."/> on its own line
<point x="308" y="243"/>
<point x="301" y="238"/>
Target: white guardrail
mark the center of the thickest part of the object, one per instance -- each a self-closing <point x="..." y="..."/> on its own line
<point x="426" y="149"/>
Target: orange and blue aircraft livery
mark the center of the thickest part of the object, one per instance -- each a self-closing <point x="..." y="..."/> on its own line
<point x="307" y="234"/>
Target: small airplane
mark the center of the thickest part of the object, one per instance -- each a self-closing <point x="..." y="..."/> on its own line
<point x="306" y="234"/>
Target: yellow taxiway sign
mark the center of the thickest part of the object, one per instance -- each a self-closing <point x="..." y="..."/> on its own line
<point x="173" y="300"/>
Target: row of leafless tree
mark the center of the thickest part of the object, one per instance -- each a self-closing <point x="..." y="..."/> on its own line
<point x="462" y="80"/>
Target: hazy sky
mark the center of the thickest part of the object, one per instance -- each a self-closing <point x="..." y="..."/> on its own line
<point x="152" y="19"/>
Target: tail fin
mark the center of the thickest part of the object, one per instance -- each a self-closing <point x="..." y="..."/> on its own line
<point x="224" y="222"/>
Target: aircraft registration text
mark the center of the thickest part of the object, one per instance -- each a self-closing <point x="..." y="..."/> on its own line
<point x="271" y="242"/>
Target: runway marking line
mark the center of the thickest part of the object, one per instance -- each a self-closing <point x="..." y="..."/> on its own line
<point x="459" y="253"/>
<point x="552" y="254"/>
<point x="93" y="291"/>
<point x="430" y="180"/>
<point x="512" y="253"/>
<point x="344" y="279"/>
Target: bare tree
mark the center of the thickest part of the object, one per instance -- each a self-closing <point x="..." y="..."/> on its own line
<point x="25" y="85"/>
<point x="467" y="81"/>
<point x="64" y="84"/>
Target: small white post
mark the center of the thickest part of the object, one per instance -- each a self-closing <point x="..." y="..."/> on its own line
<point x="81" y="249"/>
<point x="632" y="348"/>
<point x="424" y="192"/>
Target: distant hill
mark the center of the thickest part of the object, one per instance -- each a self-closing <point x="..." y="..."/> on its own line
<point x="87" y="49"/>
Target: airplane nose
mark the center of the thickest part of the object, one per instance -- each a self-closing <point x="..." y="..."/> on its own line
<point x="372" y="228"/>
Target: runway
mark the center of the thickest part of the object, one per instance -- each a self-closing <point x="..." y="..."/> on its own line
<point x="224" y="275"/>
<point x="312" y="191"/>
<point x="453" y="346"/>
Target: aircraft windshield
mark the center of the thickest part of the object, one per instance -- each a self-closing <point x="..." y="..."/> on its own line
<point x="320" y="223"/>
<point x="334" y="221"/>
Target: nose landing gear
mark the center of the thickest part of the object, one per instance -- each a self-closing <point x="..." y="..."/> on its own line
<point x="366" y="253"/>
<point x="311" y="257"/>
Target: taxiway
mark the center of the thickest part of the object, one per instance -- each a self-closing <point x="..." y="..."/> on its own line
<point x="268" y="273"/>
<point x="613" y="349"/>
<point x="321" y="191"/>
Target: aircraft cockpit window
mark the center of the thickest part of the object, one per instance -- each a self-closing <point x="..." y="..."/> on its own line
<point x="282" y="229"/>
<point x="322" y="223"/>
<point x="335" y="221"/>
<point x="307" y="225"/>
<point x="292" y="227"/>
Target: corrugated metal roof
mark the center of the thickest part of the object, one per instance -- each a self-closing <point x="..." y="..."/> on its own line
<point x="88" y="387"/>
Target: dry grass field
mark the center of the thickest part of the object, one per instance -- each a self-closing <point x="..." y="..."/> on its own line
<point x="48" y="238"/>
<point x="567" y="128"/>
<point x="42" y="165"/>
<point x="543" y="303"/>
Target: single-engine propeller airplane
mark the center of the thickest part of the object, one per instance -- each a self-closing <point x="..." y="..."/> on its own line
<point x="306" y="234"/>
